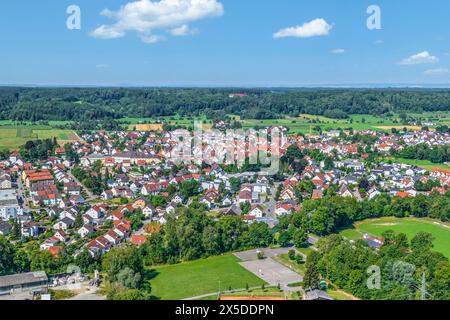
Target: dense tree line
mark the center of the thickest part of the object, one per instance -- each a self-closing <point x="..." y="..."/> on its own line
<point x="88" y="104"/>
<point x="20" y="258"/>
<point x="400" y="264"/>
<point x="333" y="213"/>
<point x="38" y="149"/>
<point x="91" y="179"/>
<point x="194" y="235"/>
<point x="435" y="154"/>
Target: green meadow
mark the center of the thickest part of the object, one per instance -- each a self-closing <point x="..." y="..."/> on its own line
<point x="408" y="226"/>
<point x="14" y="136"/>
<point x="189" y="279"/>
<point x="425" y="164"/>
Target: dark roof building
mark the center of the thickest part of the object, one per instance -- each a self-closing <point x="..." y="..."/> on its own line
<point x="16" y="283"/>
<point x="317" y="295"/>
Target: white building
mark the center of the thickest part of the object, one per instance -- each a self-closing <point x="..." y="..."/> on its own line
<point x="9" y="205"/>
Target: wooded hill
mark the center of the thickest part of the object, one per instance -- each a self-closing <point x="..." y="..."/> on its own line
<point x="33" y="104"/>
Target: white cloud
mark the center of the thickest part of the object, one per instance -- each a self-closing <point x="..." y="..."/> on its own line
<point x="147" y="17"/>
<point x="314" y="28"/>
<point x="338" y="51"/>
<point x="420" y="58"/>
<point x="437" y="72"/>
<point x="379" y="42"/>
<point x="152" y="38"/>
<point x="105" y="32"/>
<point x="184" y="30"/>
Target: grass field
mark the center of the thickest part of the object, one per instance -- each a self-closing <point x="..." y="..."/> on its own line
<point x="12" y="137"/>
<point x="174" y="120"/>
<point x="201" y="277"/>
<point x="408" y="226"/>
<point x="307" y="123"/>
<point x="427" y="165"/>
<point x="29" y="123"/>
<point x="340" y="295"/>
<point x="257" y="294"/>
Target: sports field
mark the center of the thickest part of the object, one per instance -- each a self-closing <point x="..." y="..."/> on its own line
<point x="200" y="277"/>
<point x="426" y="164"/>
<point x="408" y="226"/>
<point x="12" y="137"/>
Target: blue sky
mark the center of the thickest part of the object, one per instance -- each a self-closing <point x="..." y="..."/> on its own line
<point x="224" y="42"/>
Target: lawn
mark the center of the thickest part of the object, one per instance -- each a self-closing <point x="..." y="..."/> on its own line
<point x="408" y="226"/>
<point x="189" y="279"/>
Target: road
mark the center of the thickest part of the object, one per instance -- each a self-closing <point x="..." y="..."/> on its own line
<point x="312" y="241"/>
<point x="91" y="196"/>
<point x="271" y="205"/>
<point x="23" y="200"/>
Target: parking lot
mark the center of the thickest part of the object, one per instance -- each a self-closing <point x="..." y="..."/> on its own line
<point x="269" y="270"/>
<point x="268" y="253"/>
<point x="272" y="272"/>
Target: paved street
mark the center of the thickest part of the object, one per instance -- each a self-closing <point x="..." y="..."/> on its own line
<point x="91" y="196"/>
<point x="22" y="197"/>
<point x="271" y="203"/>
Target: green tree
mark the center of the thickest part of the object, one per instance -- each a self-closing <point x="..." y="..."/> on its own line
<point x="132" y="295"/>
<point x="284" y="238"/>
<point x="311" y="279"/>
<point x="119" y="258"/>
<point x="6" y="256"/>
<point x="300" y="238"/>
<point x="129" y="279"/>
<point x="189" y="188"/>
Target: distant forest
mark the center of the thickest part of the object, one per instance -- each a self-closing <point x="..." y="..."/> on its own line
<point x="83" y="104"/>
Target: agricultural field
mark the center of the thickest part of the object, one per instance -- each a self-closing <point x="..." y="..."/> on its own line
<point x="134" y="123"/>
<point x="408" y="226"/>
<point x="12" y="137"/>
<point x="200" y="277"/>
<point x="49" y="123"/>
<point x="307" y="124"/>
